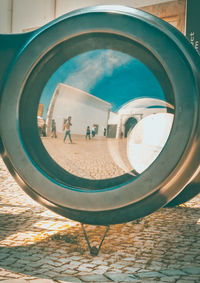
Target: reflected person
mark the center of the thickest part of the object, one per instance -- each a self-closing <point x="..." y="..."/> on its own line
<point x="66" y="127"/>
<point x="44" y="129"/>
<point x="93" y="131"/>
<point x="53" y="129"/>
<point x="87" y="133"/>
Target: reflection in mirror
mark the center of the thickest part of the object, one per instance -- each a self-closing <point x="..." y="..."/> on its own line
<point x="147" y="139"/>
<point x="103" y="114"/>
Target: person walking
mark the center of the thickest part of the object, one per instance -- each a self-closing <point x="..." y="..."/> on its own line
<point x="66" y="127"/>
<point x="87" y="133"/>
<point x="44" y="129"/>
<point x="53" y="129"/>
<point x="93" y="131"/>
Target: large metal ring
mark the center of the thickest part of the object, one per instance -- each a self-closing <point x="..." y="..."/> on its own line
<point x="176" y="65"/>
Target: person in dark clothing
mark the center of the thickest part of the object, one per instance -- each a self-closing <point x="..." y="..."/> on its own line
<point x="87" y="133"/>
<point x="53" y="129"/>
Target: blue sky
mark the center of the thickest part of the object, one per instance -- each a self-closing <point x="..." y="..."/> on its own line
<point x="110" y="75"/>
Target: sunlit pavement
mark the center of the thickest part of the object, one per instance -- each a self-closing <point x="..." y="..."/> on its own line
<point x="37" y="245"/>
<point x="97" y="158"/>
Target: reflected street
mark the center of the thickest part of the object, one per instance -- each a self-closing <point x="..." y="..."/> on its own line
<point x="88" y="158"/>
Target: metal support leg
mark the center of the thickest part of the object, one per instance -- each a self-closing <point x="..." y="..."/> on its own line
<point x="94" y="251"/>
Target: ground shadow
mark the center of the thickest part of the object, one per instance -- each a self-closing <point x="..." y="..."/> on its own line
<point x="168" y="236"/>
<point x="14" y="223"/>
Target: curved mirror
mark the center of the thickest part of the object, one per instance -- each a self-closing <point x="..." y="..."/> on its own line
<point x="103" y="114"/>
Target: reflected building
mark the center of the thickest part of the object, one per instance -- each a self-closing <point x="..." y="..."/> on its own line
<point x="84" y="108"/>
<point x="89" y="110"/>
<point x="122" y="122"/>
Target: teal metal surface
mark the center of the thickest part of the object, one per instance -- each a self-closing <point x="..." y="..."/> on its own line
<point x="27" y="62"/>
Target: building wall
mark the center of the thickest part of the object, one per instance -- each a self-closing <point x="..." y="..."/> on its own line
<point x="63" y="6"/>
<point x="28" y="14"/>
<point x="85" y="110"/>
<point x="5" y="16"/>
<point x="137" y="109"/>
<point x="172" y="12"/>
<point x="24" y="15"/>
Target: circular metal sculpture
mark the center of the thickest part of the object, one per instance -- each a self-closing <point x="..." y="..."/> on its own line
<point x="28" y="61"/>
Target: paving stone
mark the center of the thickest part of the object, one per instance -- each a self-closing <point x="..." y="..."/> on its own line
<point x="150" y="274"/>
<point x="170" y="279"/>
<point x="8" y="261"/>
<point x="42" y="281"/>
<point x="88" y="265"/>
<point x="14" y="281"/>
<point x="192" y="270"/>
<point x="65" y="279"/>
<point x="145" y="280"/>
<point x="55" y="263"/>
<point x="35" y="264"/>
<point x="29" y="277"/>
<point x="93" y="278"/>
<point x="192" y="277"/>
<point x="131" y="269"/>
<point x="74" y="263"/>
<point x="4" y="272"/>
<point x="84" y="260"/>
<point x="64" y="260"/>
<point x="98" y="271"/>
<point x="85" y="269"/>
<point x="33" y="258"/>
<point x="51" y="274"/>
<point x="101" y="268"/>
<point x="185" y="281"/>
<point x="118" y="277"/>
<point x="173" y="272"/>
<point x="3" y="256"/>
<point x="116" y="266"/>
<point x="13" y="275"/>
<point x="61" y="269"/>
<point x="70" y="272"/>
<point x="132" y="258"/>
<point x="76" y="258"/>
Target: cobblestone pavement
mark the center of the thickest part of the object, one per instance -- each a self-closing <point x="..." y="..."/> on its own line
<point x="97" y="158"/>
<point x="37" y="245"/>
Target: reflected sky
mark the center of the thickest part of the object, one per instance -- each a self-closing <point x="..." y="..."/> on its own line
<point x="108" y="74"/>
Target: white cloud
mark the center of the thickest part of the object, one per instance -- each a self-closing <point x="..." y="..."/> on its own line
<point x="92" y="69"/>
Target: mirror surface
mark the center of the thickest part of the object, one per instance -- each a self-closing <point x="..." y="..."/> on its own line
<point x="103" y="114"/>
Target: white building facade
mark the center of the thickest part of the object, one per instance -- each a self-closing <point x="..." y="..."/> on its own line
<point x="122" y="122"/>
<point x="89" y="110"/>
<point x="84" y="108"/>
<point x="17" y="16"/>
